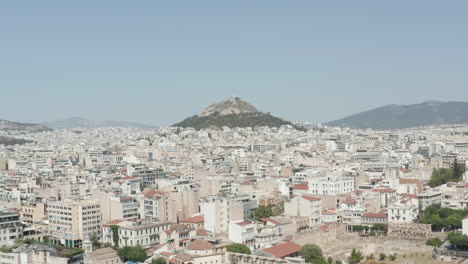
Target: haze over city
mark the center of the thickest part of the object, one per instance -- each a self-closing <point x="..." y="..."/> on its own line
<point x="159" y="62"/>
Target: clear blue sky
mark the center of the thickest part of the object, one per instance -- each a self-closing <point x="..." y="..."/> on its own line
<point x="157" y="62"/>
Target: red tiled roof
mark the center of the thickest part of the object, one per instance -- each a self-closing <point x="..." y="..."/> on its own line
<point x="384" y="190"/>
<point x="202" y="232"/>
<point x="405" y="170"/>
<point x="154" y="193"/>
<point x="270" y="220"/>
<point x="194" y="219"/>
<point x="243" y="223"/>
<point x="199" y="244"/>
<point x="375" y="215"/>
<point x="129" y="178"/>
<point x="349" y="200"/>
<point x="283" y="250"/>
<point x="310" y="198"/>
<point x="301" y="187"/>
<point x="328" y="213"/>
<point x="414" y="196"/>
<point x="408" y="181"/>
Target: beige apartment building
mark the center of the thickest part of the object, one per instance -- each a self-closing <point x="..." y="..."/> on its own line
<point x="32" y="211"/>
<point x="158" y="205"/>
<point x="117" y="207"/>
<point x="71" y="221"/>
<point x="305" y="205"/>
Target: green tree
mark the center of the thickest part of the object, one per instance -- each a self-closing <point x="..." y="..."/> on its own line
<point x="95" y="241"/>
<point x="356" y="257"/>
<point x="458" y="240"/>
<point x="262" y="212"/>
<point x="338" y="262"/>
<point x="458" y="170"/>
<point x="239" y="248"/>
<point x="159" y="260"/>
<point x="382" y="256"/>
<point x="441" y="218"/>
<point x="115" y="234"/>
<point x="330" y="260"/>
<point x="435" y="241"/>
<point x="441" y="176"/>
<point x="393" y="257"/>
<point x="311" y="252"/>
<point x="136" y="254"/>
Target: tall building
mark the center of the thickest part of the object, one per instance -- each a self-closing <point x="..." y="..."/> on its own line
<point x="304" y="205"/>
<point x="219" y="211"/>
<point x="71" y="221"/>
<point x="158" y="205"/>
<point x="10" y="227"/>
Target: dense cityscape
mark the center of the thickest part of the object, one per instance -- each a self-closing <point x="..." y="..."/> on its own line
<point x="233" y="132"/>
<point x="234" y="195"/>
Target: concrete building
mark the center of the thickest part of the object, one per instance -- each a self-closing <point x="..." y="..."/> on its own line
<point x="304" y="205"/>
<point x="219" y="212"/>
<point x="32" y="211"/>
<point x="102" y="256"/>
<point x="242" y="232"/>
<point x="32" y="254"/>
<point x="159" y="205"/>
<point x="143" y="233"/>
<point x="331" y="185"/>
<point x="10" y="227"/>
<point x="71" y="221"/>
<point x="201" y="252"/>
<point x="403" y="211"/>
<point x="465" y="226"/>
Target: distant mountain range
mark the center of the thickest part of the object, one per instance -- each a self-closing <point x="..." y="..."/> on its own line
<point x="232" y="112"/>
<point x="406" y="116"/>
<point x="78" y="122"/>
<point x="6" y="125"/>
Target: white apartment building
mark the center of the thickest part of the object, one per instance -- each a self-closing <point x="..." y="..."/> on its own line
<point x="71" y="221"/>
<point x="242" y="232"/>
<point x="403" y="211"/>
<point x="465" y="226"/>
<point x="219" y="211"/>
<point x="331" y="185"/>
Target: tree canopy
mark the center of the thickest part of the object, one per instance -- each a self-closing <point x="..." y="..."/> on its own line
<point x="356" y="257"/>
<point x="435" y="241"/>
<point x="263" y="211"/>
<point x="239" y="248"/>
<point x="444" y="175"/>
<point x="312" y="253"/>
<point x="441" y="218"/>
<point x="458" y="240"/>
<point x="159" y="260"/>
<point x="136" y="254"/>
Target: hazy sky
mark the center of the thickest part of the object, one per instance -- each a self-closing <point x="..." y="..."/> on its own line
<point x="158" y="62"/>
